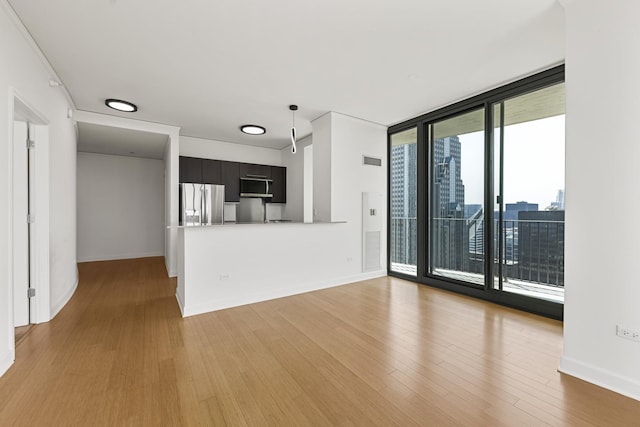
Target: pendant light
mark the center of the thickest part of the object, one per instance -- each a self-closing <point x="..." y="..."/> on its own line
<point x="293" y="109"/>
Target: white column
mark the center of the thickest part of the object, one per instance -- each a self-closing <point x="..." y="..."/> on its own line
<point x="602" y="192"/>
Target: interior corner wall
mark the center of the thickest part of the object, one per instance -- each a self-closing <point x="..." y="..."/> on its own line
<point x="120" y="207"/>
<point x="26" y="73"/>
<point x="602" y="193"/>
<point x="340" y="177"/>
<point x="322" y="140"/>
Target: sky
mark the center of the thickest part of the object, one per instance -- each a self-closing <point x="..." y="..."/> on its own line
<point x="533" y="162"/>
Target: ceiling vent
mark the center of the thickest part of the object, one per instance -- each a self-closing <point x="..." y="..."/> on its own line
<point x="371" y="161"/>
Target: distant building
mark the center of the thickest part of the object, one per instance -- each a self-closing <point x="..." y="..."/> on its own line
<point x="471" y="210"/>
<point x="450" y="231"/>
<point x="474" y="216"/>
<point x="541" y="247"/>
<point x="511" y="210"/>
<point x="510" y="228"/>
<point x="558" y="205"/>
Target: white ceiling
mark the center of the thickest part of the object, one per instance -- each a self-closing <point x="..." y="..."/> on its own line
<point x="94" y="138"/>
<point x="211" y="66"/>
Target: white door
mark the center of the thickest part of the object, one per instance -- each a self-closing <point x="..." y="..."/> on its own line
<point x="21" y="270"/>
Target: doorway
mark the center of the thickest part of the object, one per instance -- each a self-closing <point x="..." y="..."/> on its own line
<point x="29" y="218"/>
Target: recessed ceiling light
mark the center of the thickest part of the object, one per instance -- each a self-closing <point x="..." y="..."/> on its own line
<point x="253" y="129"/>
<point x="120" y="105"/>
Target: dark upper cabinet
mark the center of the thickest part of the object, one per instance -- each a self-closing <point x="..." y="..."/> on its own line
<point x="211" y="171"/>
<point x="247" y="169"/>
<point x="190" y="169"/>
<point x="230" y="174"/>
<point x="279" y="176"/>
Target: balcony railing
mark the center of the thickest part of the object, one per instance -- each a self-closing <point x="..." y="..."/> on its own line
<point x="403" y="241"/>
<point x="531" y="250"/>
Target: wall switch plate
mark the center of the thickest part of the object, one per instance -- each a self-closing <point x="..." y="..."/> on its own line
<point x="627" y="333"/>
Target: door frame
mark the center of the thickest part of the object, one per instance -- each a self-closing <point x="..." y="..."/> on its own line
<point x="22" y="110"/>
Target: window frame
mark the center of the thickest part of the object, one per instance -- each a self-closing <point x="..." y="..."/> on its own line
<point x="422" y="123"/>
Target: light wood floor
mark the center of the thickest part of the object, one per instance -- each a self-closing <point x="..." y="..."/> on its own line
<point x="20" y="332"/>
<point x="380" y="352"/>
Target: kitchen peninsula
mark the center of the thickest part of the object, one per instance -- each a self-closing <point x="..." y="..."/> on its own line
<point x="221" y="266"/>
<point x="226" y="265"/>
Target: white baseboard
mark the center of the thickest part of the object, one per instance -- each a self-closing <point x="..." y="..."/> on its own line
<point x="170" y="272"/>
<point x="113" y="257"/>
<point x="6" y="360"/>
<point x="600" y="377"/>
<point x="180" y="304"/>
<point x="220" y="304"/>
<point x="57" y="305"/>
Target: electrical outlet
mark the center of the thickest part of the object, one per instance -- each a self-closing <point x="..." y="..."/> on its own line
<point x="627" y="333"/>
<point x="224" y="276"/>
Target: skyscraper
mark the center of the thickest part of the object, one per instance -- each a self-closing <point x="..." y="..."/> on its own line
<point x="404" y="203"/>
<point x="447" y="161"/>
<point x="450" y="233"/>
<point x="541" y="247"/>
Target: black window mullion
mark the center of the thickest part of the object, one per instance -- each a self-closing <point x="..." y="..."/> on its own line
<point x="422" y="226"/>
<point x="488" y="196"/>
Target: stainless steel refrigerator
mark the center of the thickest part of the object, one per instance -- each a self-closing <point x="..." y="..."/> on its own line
<point x="201" y="204"/>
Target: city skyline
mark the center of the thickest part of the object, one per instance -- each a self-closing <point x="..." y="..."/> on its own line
<point x="531" y="175"/>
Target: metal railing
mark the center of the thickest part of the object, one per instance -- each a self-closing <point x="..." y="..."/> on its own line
<point x="531" y="250"/>
<point x="403" y="245"/>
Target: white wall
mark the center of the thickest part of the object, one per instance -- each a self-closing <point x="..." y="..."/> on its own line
<point x="294" y="208"/>
<point x="602" y="193"/>
<point x="210" y="149"/>
<point x="322" y="168"/>
<point x="342" y="141"/>
<point x="120" y="207"/>
<point x="26" y="73"/>
<point x="284" y="259"/>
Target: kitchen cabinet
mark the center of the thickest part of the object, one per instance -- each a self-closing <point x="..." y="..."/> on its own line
<point x="190" y="169"/>
<point x="211" y="171"/>
<point x="230" y="176"/>
<point x="279" y="176"/>
<point x="247" y="169"/>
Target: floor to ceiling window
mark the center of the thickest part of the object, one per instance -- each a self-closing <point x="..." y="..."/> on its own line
<point x="477" y="195"/>
<point x="403" y="200"/>
<point x="456" y="202"/>
<point x="529" y="184"/>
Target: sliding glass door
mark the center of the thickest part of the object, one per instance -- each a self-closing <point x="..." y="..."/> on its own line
<point x="529" y="183"/>
<point x="476" y="201"/>
<point x="456" y="198"/>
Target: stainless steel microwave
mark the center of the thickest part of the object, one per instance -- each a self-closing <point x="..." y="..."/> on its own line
<point x="256" y="187"/>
